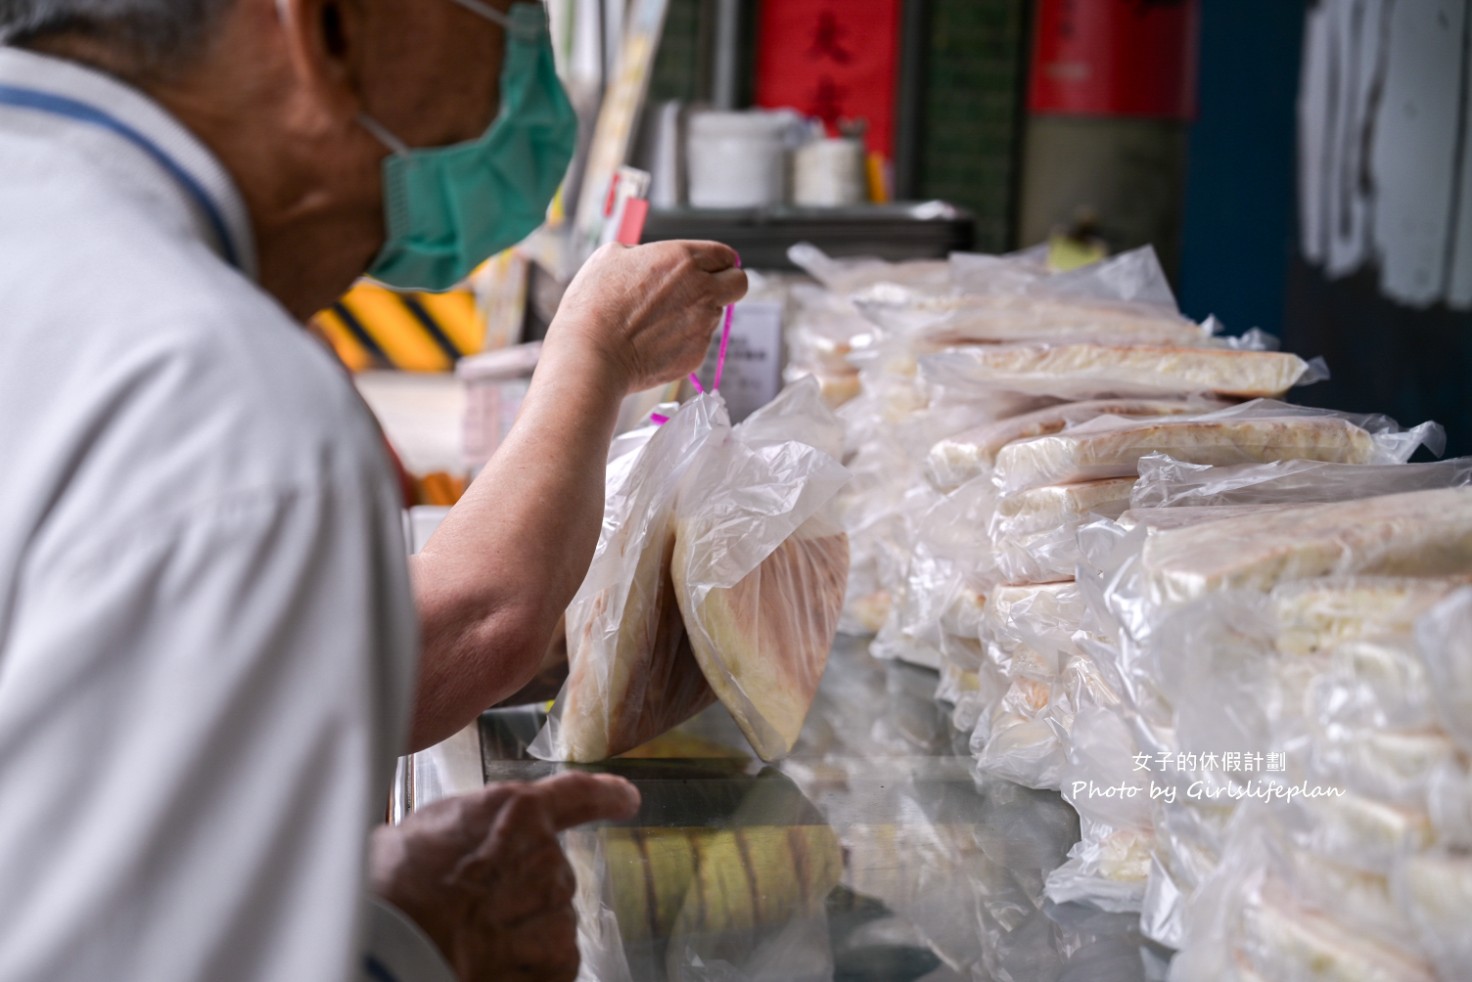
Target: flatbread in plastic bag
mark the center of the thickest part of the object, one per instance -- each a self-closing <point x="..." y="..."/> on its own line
<point x="760" y="565"/>
<point x="632" y="675"/>
<point x="696" y="530"/>
<point x="1096" y="370"/>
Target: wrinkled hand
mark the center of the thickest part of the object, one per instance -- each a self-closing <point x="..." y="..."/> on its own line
<point x="650" y="310"/>
<point x="484" y="876"/>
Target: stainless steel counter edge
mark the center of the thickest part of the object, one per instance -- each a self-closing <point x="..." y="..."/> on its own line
<point x="448" y="768"/>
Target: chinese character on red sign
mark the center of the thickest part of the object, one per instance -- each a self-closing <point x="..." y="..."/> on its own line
<point x="833" y="60"/>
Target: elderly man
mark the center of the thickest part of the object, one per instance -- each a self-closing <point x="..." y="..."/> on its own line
<point x="210" y="640"/>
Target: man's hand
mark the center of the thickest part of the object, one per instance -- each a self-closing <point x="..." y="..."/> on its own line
<point x="484" y="876"/>
<point x="493" y="581"/>
<point x="650" y="310"/>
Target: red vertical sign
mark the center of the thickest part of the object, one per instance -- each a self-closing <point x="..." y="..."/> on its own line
<point x="1115" y="58"/>
<point x="833" y="60"/>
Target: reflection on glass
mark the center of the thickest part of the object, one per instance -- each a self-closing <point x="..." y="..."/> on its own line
<point x="871" y="853"/>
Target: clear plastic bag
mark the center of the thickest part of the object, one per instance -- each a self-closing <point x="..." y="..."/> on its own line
<point x="1445" y="640"/>
<point x="1376" y="684"/>
<point x="1449" y="803"/>
<point x="716" y="552"/>
<point x="1035" y="681"/>
<point x="1098" y="370"/>
<point x="1106" y="868"/>
<point x="1390" y="767"/>
<point x="1168" y="483"/>
<point x="762" y="632"/>
<point x="898" y="304"/>
<point x="1241" y="668"/>
<point x="1188" y="847"/>
<point x="885" y="505"/>
<point x="1031" y="628"/>
<point x="1020" y="748"/>
<point x="997" y="317"/>
<point x="1314" y="615"/>
<point x="824" y="330"/>
<point x="1134" y="277"/>
<point x="1211" y="667"/>
<point x="1434" y="890"/>
<point x="632" y="674"/>
<point x="869" y="509"/>
<point x="974" y="686"/>
<point x="966" y="456"/>
<point x="1030" y="733"/>
<point x="1254" y="432"/>
<point x="1016" y="297"/>
<point x="1271" y="911"/>
<point x="1317" y="671"/>
<point x="760" y="564"/>
<point x="850" y="273"/>
<point x="1034" y="533"/>
<point x="1110" y="864"/>
<point x="1358" y="830"/>
<point x="1419" y="533"/>
<point x="1327" y="689"/>
<point x="948" y="551"/>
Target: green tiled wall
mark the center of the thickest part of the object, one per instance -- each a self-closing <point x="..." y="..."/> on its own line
<point x="679" y="65"/>
<point x="973" y="104"/>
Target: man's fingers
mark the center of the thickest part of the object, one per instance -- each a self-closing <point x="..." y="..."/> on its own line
<point x="712" y="257"/>
<point x="576" y="797"/>
<point x="546" y="947"/>
<point x="730" y="286"/>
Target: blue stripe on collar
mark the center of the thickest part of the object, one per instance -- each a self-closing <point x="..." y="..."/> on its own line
<point x="58" y="105"/>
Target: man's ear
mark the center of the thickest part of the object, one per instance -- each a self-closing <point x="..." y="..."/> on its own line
<point x="324" y="46"/>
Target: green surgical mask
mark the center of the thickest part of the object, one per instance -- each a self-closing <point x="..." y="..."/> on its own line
<point x="450" y="208"/>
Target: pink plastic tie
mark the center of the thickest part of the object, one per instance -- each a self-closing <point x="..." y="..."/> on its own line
<point x="721" y="356"/>
<point x="715" y="385"/>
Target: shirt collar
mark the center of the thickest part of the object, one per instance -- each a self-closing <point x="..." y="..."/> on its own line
<point x="145" y="118"/>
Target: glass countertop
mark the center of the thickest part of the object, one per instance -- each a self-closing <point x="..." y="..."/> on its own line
<point x="872" y="852"/>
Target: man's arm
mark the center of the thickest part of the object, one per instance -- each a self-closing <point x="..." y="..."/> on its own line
<point x="491" y="584"/>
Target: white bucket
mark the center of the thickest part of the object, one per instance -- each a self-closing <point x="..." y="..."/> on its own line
<point x="737" y="159"/>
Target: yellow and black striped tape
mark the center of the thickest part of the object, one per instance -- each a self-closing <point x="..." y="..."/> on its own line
<point x="374" y="327"/>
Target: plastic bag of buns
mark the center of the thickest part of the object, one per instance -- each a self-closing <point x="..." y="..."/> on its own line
<point x="718" y="575"/>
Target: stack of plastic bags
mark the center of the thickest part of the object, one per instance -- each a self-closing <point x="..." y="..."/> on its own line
<point x="1007" y="311"/>
<point x="1280" y="743"/>
<point x="823" y="327"/>
<point x="1224" y="625"/>
<point x="997" y="416"/>
<point x="1367" y="874"/>
<point x="718" y="575"/>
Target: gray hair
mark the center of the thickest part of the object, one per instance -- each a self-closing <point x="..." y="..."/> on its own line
<point x="152" y="34"/>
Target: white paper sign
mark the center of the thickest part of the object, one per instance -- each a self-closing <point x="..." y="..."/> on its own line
<point x="753" y="373"/>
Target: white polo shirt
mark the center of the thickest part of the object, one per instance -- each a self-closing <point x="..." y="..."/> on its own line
<point x="207" y="637"/>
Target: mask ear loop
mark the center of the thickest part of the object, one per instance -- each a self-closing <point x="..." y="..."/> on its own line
<point x="505" y="20"/>
<point x="486" y="11"/>
<point x="382" y="135"/>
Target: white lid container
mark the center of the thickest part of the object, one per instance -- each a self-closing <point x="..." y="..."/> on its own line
<point x="737" y="159"/>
